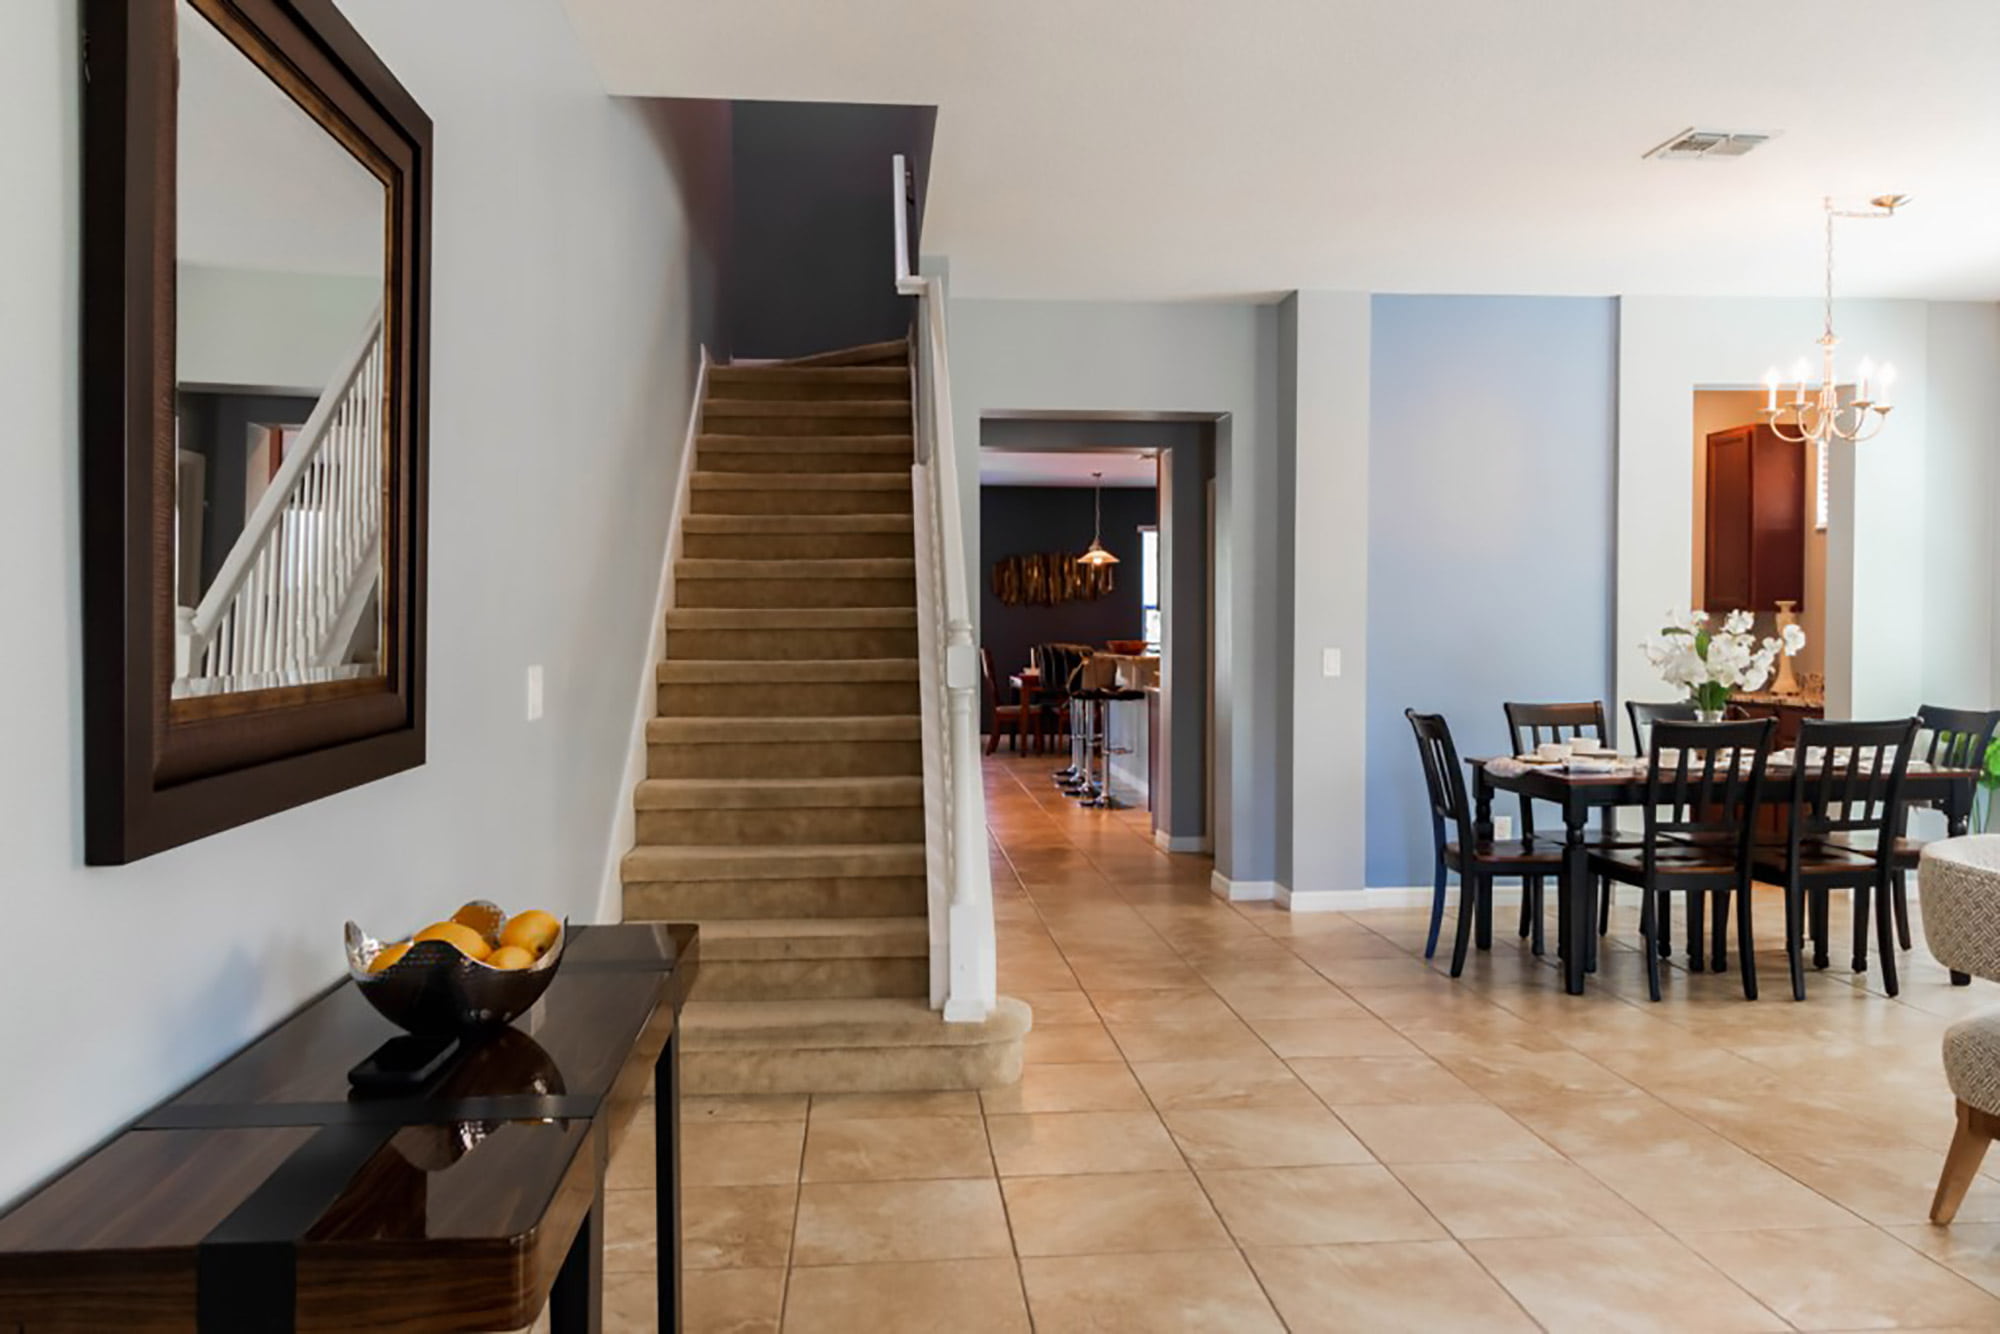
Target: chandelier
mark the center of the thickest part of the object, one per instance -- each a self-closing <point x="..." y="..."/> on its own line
<point x="1095" y="554"/>
<point x="1814" y="417"/>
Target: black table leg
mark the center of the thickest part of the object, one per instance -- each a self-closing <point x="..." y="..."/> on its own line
<point x="576" y="1302"/>
<point x="1578" y="934"/>
<point x="667" y="1181"/>
<point x="1958" y="819"/>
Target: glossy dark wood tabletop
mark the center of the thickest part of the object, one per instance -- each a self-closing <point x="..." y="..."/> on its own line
<point x="452" y="1207"/>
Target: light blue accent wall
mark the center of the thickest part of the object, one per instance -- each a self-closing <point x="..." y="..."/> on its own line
<point x="1491" y="492"/>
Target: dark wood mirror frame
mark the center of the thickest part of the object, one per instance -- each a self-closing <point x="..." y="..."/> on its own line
<point x="160" y="771"/>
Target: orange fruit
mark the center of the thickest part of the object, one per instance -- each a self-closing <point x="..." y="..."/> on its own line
<point x="509" y="957"/>
<point x="534" y="931"/>
<point x="388" y="955"/>
<point x="464" y="938"/>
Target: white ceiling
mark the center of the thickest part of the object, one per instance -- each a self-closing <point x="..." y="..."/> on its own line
<point x="1022" y="467"/>
<point x="1177" y="148"/>
<point x="260" y="185"/>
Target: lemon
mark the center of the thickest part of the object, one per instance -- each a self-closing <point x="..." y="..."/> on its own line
<point x="509" y="957"/>
<point x="387" y="955"/>
<point x="534" y="931"/>
<point x="464" y="938"/>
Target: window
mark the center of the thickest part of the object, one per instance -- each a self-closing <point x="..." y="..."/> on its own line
<point x="1149" y="584"/>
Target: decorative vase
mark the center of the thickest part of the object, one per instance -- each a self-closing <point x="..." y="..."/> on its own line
<point x="1788" y="615"/>
<point x="1709" y="715"/>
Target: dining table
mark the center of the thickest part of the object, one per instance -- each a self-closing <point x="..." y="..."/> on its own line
<point x="1027" y="685"/>
<point x="1578" y="796"/>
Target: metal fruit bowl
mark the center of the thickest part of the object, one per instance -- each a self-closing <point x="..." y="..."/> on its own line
<point x="435" y="991"/>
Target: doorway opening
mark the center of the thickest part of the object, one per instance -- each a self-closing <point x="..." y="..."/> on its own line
<point x="1145" y="621"/>
<point x="1760" y="543"/>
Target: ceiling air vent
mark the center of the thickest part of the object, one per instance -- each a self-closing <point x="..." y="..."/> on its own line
<point x="1692" y="145"/>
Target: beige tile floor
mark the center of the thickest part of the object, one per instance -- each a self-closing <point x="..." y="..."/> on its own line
<point x="1237" y="1119"/>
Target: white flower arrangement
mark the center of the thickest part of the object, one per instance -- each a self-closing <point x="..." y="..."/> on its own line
<point x="1713" y="664"/>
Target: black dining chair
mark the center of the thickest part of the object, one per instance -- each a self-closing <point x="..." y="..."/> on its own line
<point x="1702" y="786"/>
<point x="1528" y="726"/>
<point x="1958" y="740"/>
<point x="1644" y="714"/>
<point x="1840" y="832"/>
<point x="1456" y="843"/>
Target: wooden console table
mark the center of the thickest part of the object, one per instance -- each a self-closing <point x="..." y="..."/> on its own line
<point x="263" y="1197"/>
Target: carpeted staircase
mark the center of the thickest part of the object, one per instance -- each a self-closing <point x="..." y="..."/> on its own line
<point x="783" y="808"/>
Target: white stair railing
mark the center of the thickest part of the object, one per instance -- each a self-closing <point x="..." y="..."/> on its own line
<point x="286" y="603"/>
<point x="963" y="980"/>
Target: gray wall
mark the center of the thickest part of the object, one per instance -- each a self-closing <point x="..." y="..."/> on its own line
<point x="562" y="357"/>
<point x="812" y="243"/>
<point x="1135" y="357"/>
<point x="1492" y="452"/>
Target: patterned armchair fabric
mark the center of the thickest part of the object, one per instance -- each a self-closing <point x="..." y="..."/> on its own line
<point x="1961" y="898"/>
<point x="1972" y="1060"/>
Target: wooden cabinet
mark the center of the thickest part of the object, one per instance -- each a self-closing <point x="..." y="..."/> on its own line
<point x="1756" y="525"/>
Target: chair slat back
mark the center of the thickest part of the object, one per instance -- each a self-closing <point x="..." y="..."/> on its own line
<point x="1444" y="777"/>
<point x="1644" y="715"/>
<point x="1847" y="778"/>
<point x="1703" y="779"/>
<point x="1530" y="725"/>
<point x="1958" y="737"/>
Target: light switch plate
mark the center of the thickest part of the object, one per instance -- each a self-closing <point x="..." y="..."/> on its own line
<point x="1503" y="828"/>
<point x="1329" y="662"/>
<point x="534" y="692"/>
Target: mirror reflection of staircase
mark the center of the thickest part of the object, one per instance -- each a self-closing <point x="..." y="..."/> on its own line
<point x="783" y="809"/>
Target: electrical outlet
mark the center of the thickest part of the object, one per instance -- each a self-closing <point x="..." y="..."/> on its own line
<point x="534" y="692"/>
<point x="1329" y="662"/>
<point x="1503" y="827"/>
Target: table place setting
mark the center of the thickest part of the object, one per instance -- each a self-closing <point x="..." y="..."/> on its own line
<point x="1581" y="758"/>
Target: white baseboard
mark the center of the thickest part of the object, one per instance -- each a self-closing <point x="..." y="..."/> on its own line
<point x="1241" y="891"/>
<point x="1166" y="842"/>
<point x="624" y="820"/>
<point x="1379" y="896"/>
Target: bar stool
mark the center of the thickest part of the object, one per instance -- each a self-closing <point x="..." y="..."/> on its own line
<point x="1101" y="700"/>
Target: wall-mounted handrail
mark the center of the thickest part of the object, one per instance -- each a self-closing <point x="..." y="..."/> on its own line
<point x="284" y="603"/>
<point x="963" y="981"/>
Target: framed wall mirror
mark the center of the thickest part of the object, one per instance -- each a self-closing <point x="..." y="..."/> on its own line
<point x="256" y="277"/>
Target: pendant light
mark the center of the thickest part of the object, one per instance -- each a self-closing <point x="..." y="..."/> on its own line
<point x="1096" y="554"/>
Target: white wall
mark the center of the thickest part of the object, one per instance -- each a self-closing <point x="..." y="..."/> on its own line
<point x="1961" y="502"/>
<point x="260" y="328"/>
<point x="1164" y="357"/>
<point x="561" y="362"/>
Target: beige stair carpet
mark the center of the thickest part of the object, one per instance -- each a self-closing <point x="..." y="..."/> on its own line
<point x="783" y="804"/>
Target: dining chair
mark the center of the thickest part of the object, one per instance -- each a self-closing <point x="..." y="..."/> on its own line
<point x="1456" y="845"/>
<point x="1012" y="717"/>
<point x="1702" y="786"/>
<point x="1528" y="726"/>
<point x="1958" y="740"/>
<point x="1644" y="714"/>
<point x="1840" y="832"/>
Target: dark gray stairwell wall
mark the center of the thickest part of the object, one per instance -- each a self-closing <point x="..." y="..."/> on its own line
<point x="812" y="253"/>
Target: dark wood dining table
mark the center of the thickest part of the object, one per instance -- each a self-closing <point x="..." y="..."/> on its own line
<point x="1578" y="796"/>
<point x="267" y="1196"/>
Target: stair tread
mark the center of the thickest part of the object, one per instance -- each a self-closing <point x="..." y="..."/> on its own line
<point x="861" y="353"/>
<point x="709" y="480"/>
<point x="795" y="567"/>
<point x="797" y="524"/>
<point x="653" y="861"/>
<point x="781" y="373"/>
<point x="697" y="794"/>
<point x="892" y="1022"/>
<point x="736" y="731"/>
<point x="809" y="444"/>
<point x="785" y="671"/>
<point x="791" y="618"/>
<point x="751" y="940"/>
<point x="721" y="405"/>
